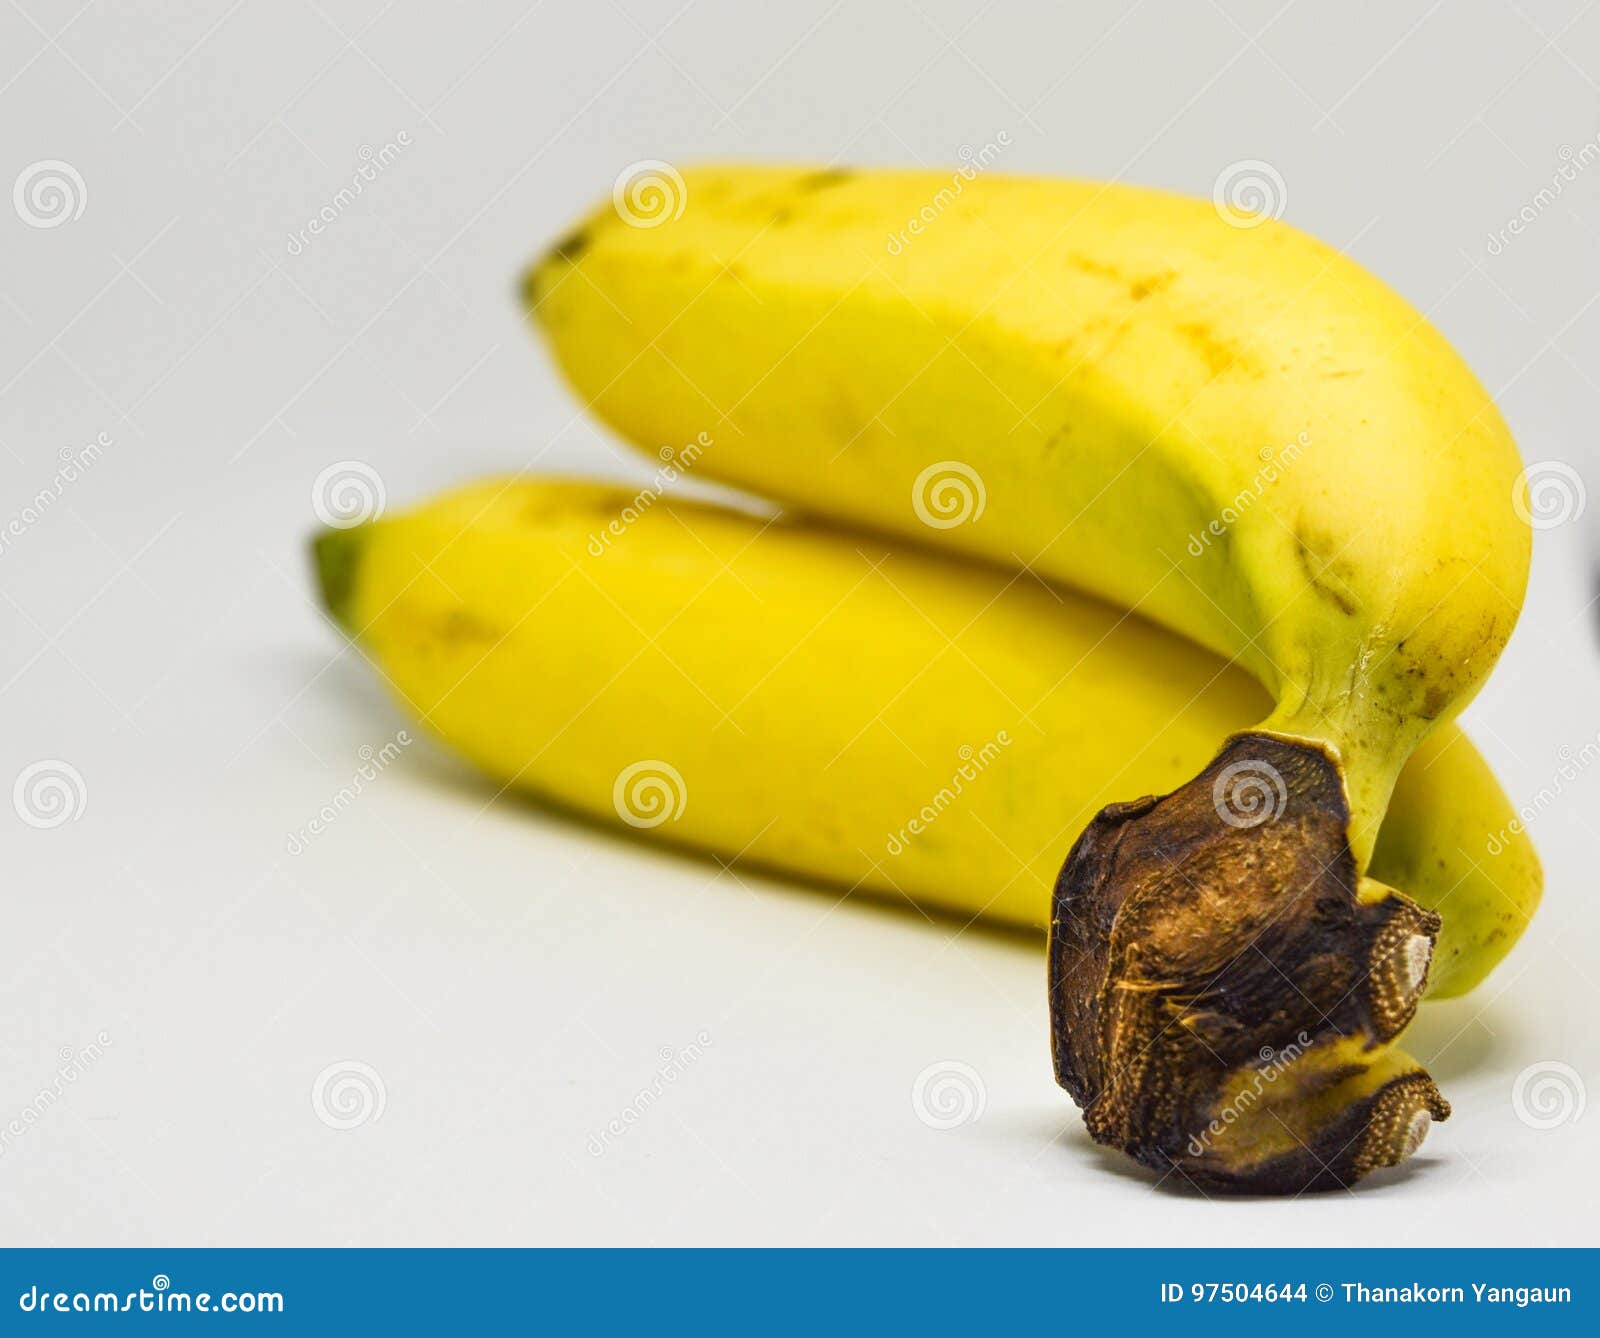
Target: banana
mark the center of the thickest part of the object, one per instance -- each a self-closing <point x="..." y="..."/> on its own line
<point x="1233" y="430"/>
<point x="874" y="717"/>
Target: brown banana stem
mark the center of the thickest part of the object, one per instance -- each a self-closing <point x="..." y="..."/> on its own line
<point x="1224" y="986"/>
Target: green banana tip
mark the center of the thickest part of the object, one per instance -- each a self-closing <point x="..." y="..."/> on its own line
<point x="532" y="283"/>
<point x="335" y="558"/>
<point x="526" y="291"/>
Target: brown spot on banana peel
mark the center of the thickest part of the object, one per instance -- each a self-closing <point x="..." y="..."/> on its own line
<point x="807" y="186"/>
<point x="1144" y="286"/>
<point x="1139" y="286"/>
<point x="1221" y="356"/>
<point x="1320" y="574"/>
<point x="822" y="180"/>
<point x="1195" y="933"/>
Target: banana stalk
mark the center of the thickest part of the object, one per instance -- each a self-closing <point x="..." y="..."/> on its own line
<point x="877" y="718"/>
<point x="1209" y="418"/>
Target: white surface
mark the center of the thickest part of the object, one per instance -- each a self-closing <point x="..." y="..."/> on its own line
<point x="511" y="977"/>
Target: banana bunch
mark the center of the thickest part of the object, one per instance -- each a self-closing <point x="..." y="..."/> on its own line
<point x="1244" y="542"/>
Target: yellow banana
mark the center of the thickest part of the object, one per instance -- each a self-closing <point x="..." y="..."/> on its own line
<point x="1232" y="429"/>
<point x="818" y="702"/>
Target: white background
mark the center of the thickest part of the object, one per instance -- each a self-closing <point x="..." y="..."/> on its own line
<point x="510" y="977"/>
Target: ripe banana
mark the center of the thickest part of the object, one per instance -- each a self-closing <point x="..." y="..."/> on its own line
<point x="1232" y="429"/>
<point x="879" y="718"/>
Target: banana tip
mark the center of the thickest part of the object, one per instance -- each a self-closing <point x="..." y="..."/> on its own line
<point x="526" y="291"/>
<point x="335" y="558"/>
